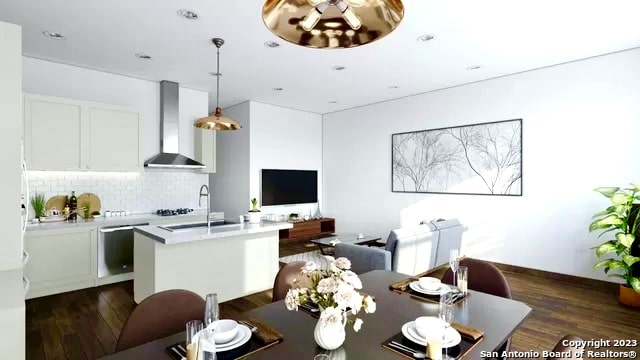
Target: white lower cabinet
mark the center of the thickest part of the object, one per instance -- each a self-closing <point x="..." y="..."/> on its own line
<point x="61" y="260"/>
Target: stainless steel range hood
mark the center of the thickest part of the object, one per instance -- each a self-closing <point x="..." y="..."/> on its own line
<point x="169" y="132"/>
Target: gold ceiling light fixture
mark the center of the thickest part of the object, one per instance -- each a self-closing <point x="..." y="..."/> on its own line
<point x="217" y="121"/>
<point x="332" y="24"/>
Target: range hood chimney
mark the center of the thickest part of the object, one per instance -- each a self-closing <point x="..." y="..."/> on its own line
<point x="169" y="132"/>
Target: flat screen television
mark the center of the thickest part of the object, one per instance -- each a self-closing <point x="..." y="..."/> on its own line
<point x="286" y="187"/>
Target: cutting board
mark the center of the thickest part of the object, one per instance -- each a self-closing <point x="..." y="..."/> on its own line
<point x="57" y="202"/>
<point x="90" y="199"/>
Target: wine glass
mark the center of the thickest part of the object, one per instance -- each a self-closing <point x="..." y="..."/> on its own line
<point x="211" y="309"/>
<point x="453" y="263"/>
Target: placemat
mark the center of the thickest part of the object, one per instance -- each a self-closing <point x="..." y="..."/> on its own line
<point x="402" y="286"/>
<point x="262" y="338"/>
<point x="455" y="352"/>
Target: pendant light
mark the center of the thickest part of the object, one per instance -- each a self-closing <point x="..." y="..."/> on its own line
<point x="332" y="24"/>
<point x="217" y="121"/>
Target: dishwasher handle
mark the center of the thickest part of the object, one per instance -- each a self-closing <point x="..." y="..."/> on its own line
<point x="119" y="228"/>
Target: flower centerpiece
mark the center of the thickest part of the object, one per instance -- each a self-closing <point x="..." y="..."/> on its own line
<point x="333" y="290"/>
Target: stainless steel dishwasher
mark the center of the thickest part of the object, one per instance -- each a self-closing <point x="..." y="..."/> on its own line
<point x="115" y="249"/>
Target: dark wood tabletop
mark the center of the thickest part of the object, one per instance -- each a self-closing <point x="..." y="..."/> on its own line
<point x="497" y="317"/>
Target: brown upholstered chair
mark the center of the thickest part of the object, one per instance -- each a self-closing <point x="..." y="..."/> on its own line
<point x="285" y="279"/>
<point x="487" y="278"/>
<point x="160" y="315"/>
<point x="576" y="351"/>
<point x="484" y="277"/>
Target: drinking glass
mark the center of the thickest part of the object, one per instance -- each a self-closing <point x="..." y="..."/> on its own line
<point x="194" y="327"/>
<point x="211" y="309"/>
<point x="207" y="344"/>
<point x="446" y="308"/>
<point x="453" y="263"/>
<point x="462" y="278"/>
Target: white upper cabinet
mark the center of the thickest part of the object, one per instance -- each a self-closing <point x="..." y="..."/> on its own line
<point x="205" y="149"/>
<point x="64" y="134"/>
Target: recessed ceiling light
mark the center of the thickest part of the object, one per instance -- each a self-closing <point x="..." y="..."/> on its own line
<point x="277" y="89"/>
<point x="338" y="68"/>
<point x="393" y="87"/>
<point x="188" y="14"/>
<point x="142" y="56"/>
<point x="426" y="37"/>
<point x="271" y="44"/>
<point x="215" y="74"/>
<point x="53" y="35"/>
<point x="474" y="67"/>
<point x="333" y="102"/>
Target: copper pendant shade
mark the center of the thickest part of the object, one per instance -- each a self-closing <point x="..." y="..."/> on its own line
<point x="332" y="24"/>
<point x="217" y="121"/>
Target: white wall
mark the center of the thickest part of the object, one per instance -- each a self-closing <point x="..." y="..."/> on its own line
<point x="229" y="186"/>
<point x="135" y="192"/>
<point x="580" y="130"/>
<point x="283" y="138"/>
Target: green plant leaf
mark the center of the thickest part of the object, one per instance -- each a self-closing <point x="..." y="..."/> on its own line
<point x="635" y="284"/>
<point x="611" y="220"/>
<point x="602" y="263"/>
<point x="617" y="265"/>
<point x="617" y="275"/>
<point x="607" y="231"/>
<point x="625" y="239"/>
<point x="609" y="210"/>
<point x="636" y="187"/>
<point x="609" y="246"/>
<point x="621" y="198"/>
<point x="607" y="191"/>
<point x="630" y="259"/>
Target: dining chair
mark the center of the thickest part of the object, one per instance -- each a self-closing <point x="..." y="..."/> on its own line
<point x="160" y="315"/>
<point x="576" y="351"/>
<point x="288" y="275"/>
<point x="487" y="278"/>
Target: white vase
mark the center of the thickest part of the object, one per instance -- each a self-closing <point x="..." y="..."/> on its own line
<point x="254" y="217"/>
<point x="330" y="337"/>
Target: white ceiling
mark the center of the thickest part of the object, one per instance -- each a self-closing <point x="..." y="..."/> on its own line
<point x="503" y="36"/>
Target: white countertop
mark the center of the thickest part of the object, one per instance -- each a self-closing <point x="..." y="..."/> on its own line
<point x="215" y="232"/>
<point x="122" y="220"/>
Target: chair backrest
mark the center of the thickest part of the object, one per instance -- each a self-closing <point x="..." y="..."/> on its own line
<point x="285" y="279"/>
<point x="160" y="315"/>
<point x="413" y="250"/>
<point x="364" y="258"/>
<point x="576" y="350"/>
<point x="449" y="237"/>
<point x="484" y="277"/>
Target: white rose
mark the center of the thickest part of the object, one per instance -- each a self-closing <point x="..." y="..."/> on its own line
<point x="292" y="301"/>
<point x="327" y="285"/>
<point x="331" y="316"/>
<point x="346" y="296"/>
<point x="309" y="267"/>
<point x="343" y="263"/>
<point x="369" y="305"/>
<point x="357" y="325"/>
<point x="352" y="279"/>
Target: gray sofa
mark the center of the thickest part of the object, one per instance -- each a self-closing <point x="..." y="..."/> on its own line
<point x="408" y="250"/>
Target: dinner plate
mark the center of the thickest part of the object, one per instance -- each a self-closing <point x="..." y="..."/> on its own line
<point x="452" y="336"/>
<point x="415" y="286"/>
<point x="242" y="336"/>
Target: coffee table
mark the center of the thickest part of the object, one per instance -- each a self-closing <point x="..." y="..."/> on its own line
<point x="330" y="242"/>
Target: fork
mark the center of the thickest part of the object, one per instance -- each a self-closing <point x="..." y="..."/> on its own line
<point x="415" y="353"/>
<point x="249" y="325"/>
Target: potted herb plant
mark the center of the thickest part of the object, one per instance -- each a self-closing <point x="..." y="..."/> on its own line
<point x="38" y="204"/>
<point x="254" y="213"/>
<point x="621" y="222"/>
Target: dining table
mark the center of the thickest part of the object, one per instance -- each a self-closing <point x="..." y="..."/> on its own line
<point x="497" y="317"/>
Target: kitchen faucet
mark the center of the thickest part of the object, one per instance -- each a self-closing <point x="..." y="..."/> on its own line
<point x="204" y="191"/>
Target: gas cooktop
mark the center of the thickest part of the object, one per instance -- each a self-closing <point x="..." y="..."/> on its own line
<point x="173" y="212"/>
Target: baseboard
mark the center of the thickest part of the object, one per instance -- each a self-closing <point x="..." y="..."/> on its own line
<point x="595" y="283"/>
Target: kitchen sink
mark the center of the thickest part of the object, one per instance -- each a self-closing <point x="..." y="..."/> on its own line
<point x="197" y="225"/>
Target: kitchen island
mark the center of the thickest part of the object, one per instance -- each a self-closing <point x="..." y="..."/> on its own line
<point x="232" y="260"/>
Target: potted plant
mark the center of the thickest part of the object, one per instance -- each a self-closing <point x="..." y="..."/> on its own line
<point x="38" y="204"/>
<point x="254" y="213"/>
<point x="620" y="221"/>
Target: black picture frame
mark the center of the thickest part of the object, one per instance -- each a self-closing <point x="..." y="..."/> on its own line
<point x="462" y="143"/>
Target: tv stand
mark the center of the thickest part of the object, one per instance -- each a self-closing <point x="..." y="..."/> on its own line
<point x="309" y="230"/>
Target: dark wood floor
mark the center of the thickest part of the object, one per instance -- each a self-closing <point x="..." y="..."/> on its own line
<point x="85" y="324"/>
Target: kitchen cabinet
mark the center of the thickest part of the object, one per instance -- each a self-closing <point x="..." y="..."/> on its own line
<point x="70" y="135"/>
<point x="61" y="260"/>
<point x="205" y="149"/>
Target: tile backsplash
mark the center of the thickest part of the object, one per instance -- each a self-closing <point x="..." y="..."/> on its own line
<point x="142" y="192"/>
